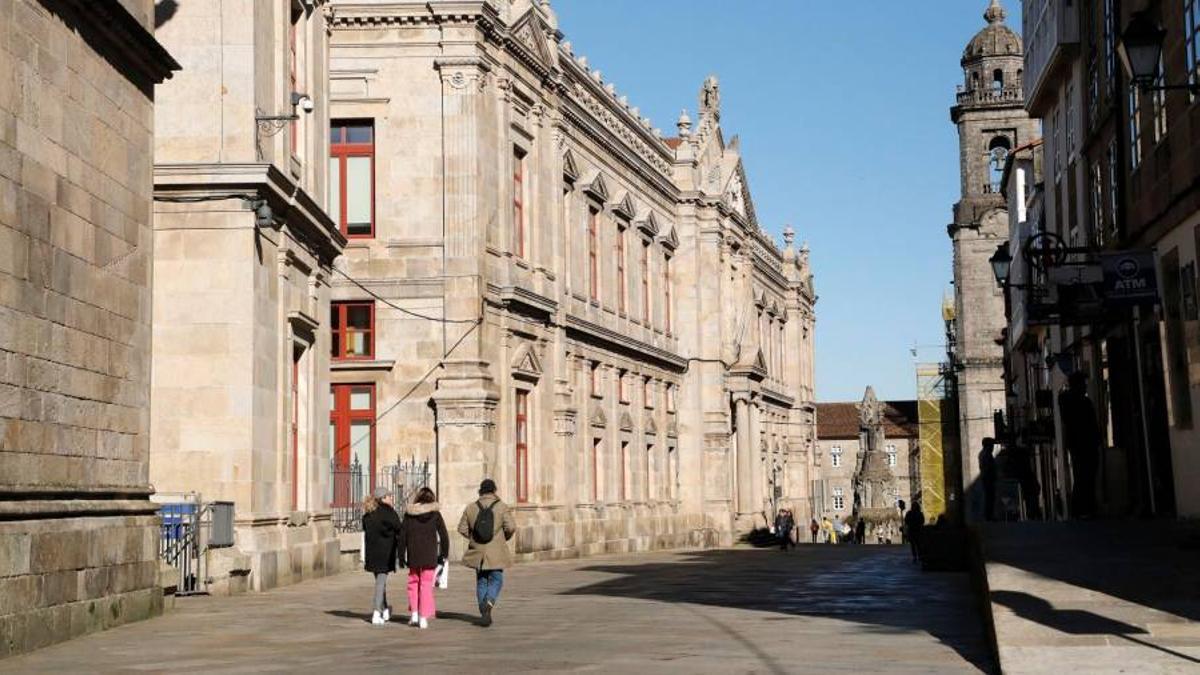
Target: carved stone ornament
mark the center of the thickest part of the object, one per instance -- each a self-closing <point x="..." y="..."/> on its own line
<point x="466" y="414"/>
<point x="564" y="421"/>
<point x="598" y="420"/>
<point x="525" y="363"/>
<point x="626" y="422"/>
<point x="463" y="74"/>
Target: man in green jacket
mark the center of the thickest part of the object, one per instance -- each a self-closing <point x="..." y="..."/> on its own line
<point x="487" y="552"/>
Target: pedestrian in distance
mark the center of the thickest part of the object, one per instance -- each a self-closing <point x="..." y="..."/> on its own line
<point x="784" y="524"/>
<point x="814" y="529"/>
<point x="1081" y="435"/>
<point x="488" y="525"/>
<point x="424" y="545"/>
<point x="914" y="528"/>
<point x="987" y="475"/>
<point x="381" y="528"/>
<point x="860" y="532"/>
<point x="830" y="535"/>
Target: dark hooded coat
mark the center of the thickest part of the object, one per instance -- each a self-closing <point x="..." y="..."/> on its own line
<point x="423" y="538"/>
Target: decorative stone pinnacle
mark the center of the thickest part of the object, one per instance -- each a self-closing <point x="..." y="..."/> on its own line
<point x="684" y="124"/>
<point x="995" y="12"/>
<point x="789" y="235"/>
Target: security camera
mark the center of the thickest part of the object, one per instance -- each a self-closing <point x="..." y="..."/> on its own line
<point x="302" y="101"/>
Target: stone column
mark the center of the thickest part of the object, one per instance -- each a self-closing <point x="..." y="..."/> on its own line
<point x="745" y="456"/>
<point x="757" y="463"/>
<point x="466" y="398"/>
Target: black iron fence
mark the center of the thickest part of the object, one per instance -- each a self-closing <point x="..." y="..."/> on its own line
<point x="351" y="483"/>
<point x="190" y="528"/>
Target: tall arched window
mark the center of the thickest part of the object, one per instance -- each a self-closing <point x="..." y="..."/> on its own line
<point x="997" y="155"/>
<point x="997" y="80"/>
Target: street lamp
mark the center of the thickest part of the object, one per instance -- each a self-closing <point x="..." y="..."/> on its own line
<point x="1141" y="49"/>
<point x="1001" y="262"/>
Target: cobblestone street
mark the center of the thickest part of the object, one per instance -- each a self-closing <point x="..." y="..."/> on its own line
<point x="816" y="609"/>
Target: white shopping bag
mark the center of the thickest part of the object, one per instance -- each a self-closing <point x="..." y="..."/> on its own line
<point x="443" y="575"/>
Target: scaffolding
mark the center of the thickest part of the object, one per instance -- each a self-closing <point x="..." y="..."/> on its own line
<point x="930" y="405"/>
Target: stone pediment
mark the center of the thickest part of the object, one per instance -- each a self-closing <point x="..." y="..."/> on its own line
<point x="596" y="187"/>
<point x="626" y="421"/>
<point x="651" y="427"/>
<point x="525" y="363"/>
<point x="737" y="195"/>
<point x="752" y="363"/>
<point x="529" y="33"/>
<point x="670" y="239"/>
<point x="625" y="207"/>
<point x="570" y="166"/>
<point x="672" y="428"/>
<point x="648" y="224"/>
<point x="597" y="419"/>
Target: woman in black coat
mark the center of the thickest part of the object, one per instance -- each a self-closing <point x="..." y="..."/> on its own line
<point x="424" y="545"/>
<point x="381" y="527"/>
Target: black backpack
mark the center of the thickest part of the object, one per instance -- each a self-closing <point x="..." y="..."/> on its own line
<point x="485" y="523"/>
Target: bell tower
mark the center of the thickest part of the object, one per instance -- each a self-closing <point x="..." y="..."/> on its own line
<point x="990" y="114"/>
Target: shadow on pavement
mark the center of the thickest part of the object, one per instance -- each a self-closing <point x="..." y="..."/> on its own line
<point x="1148" y="563"/>
<point x="347" y="614"/>
<point x="867" y="585"/>
<point x="1070" y="621"/>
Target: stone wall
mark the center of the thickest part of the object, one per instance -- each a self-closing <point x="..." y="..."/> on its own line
<point x="78" y="534"/>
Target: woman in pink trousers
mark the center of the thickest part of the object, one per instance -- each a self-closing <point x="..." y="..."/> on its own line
<point x="424" y="544"/>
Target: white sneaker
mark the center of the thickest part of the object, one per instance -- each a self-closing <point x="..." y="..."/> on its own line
<point x="414" y="619"/>
<point x="377" y="618"/>
<point x="424" y="623"/>
<point x="387" y="614"/>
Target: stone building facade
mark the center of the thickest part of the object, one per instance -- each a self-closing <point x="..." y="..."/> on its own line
<point x="868" y="458"/>
<point x="243" y="263"/>
<point x="549" y="292"/>
<point x="992" y="121"/>
<point x="78" y="533"/>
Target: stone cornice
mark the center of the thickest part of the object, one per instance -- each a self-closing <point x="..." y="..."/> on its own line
<point x="288" y="200"/>
<point x="583" y="122"/>
<point x="584" y="90"/>
<point x="625" y="343"/>
<point x="119" y="37"/>
<point x="392" y="14"/>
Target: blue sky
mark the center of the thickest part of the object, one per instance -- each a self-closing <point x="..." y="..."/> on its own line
<point x="843" y="112"/>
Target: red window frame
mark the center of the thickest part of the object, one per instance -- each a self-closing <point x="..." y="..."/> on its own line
<point x="522" y="445"/>
<point x="593" y="253"/>
<point x="341" y="416"/>
<point x="340" y="329"/>
<point x="518" y="203"/>
<point x="595" y="469"/>
<point x="667" y="291"/>
<point x="624" y="459"/>
<point x="341" y="149"/>
<point x="622" y="285"/>
<point x="646" y="282"/>
<point x="295" y="429"/>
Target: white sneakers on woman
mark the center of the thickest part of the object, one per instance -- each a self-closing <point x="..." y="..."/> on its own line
<point x="414" y="620"/>
<point x="424" y="623"/>
<point x="377" y="618"/>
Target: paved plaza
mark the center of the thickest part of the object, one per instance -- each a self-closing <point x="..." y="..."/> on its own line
<point x="817" y="609"/>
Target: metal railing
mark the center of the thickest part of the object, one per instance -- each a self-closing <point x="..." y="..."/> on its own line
<point x="189" y="529"/>
<point x="351" y="483"/>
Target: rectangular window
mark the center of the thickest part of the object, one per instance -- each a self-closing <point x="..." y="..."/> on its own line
<point x="1098" y="238"/>
<point x="835" y="456"/>
<point x="891" y="455"/>
<point x="353" y="330"/>
<point x="295" y="428"/>
<point x="1158" y="101"/>
<point x="646" y="282"/>
<point x="518" y="244"/>
<point x="1110" y="48"/>
<point x="670" y="398"/>
<point x="596" y="469"/>
<point x="352" y="437"/>
<point x="1093" y="102"/>
<point x="622" y="386"/>
<point x="1135" y="128"/>
<point x="622" y="282"/>
<point x="1191" y="35"/>
<point x="593" y="253"/>
<point x="594" y="380"/>
<point x="648" y="392"/>
<point x="666" y="280"/>
<point x="522" y="445"/>
<point x="839" y="499"/>
<point x="624" y="470"/>
<point x="1114" y="167"/>
<point x="1070" y="121"/>
<point x="352" y="177"/>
